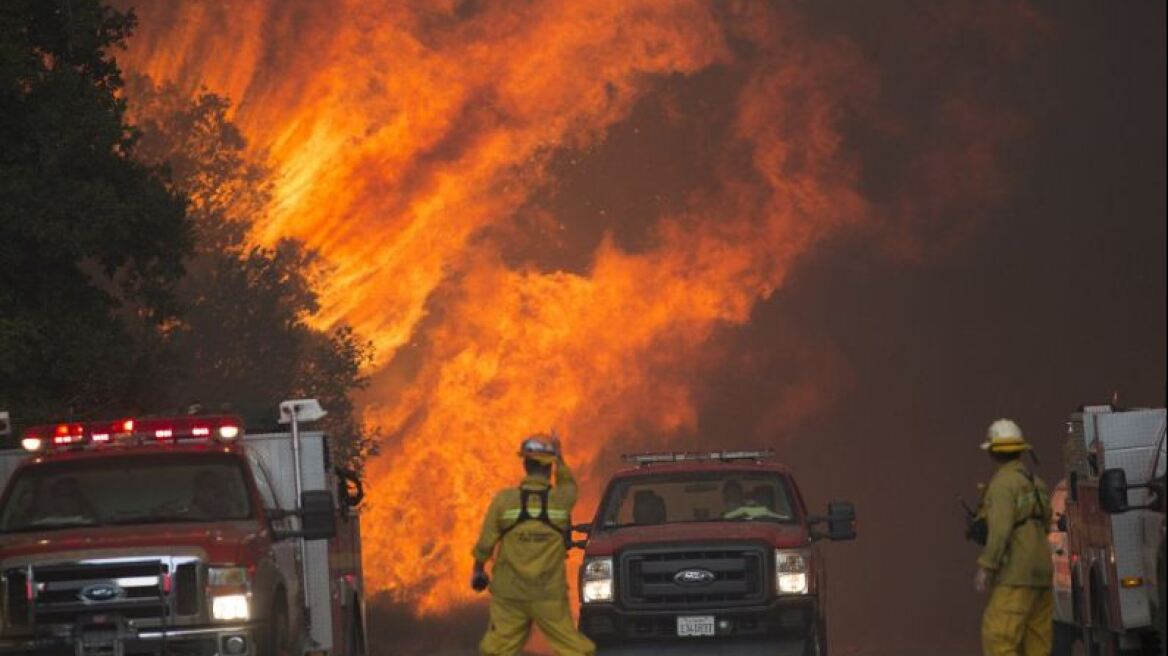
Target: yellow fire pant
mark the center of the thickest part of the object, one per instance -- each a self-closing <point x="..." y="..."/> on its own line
<point x="1017" y="621"/>
<point x="511" y="624"/>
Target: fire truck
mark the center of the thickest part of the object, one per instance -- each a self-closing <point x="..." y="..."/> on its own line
<point x="707" y="553"/>
<point x="1114" y="547"/>
<point x="180" y="535"/>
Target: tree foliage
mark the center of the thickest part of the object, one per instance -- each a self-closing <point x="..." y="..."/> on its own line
<point x="91" y="240"/>
<point x="127" y="281"/>
<point x="243" y="340"/>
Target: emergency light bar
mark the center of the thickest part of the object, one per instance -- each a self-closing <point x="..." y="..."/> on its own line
<point x="644" y="459"/>
<point x="189" y="428"/>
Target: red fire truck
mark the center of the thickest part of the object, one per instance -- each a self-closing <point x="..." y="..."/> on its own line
<point x="179" y="535"/>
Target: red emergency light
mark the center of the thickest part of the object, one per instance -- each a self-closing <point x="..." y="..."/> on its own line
<point x="187" y="428"/>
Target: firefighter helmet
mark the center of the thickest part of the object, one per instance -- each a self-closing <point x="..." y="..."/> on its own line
<point x="1004" y="436"/>
<point x="539" y="447"/>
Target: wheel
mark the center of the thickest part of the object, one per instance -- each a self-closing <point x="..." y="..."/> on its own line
<point x="816" y="643"/>
<point x="277" y="639"/>
<point x="355" y="637"/>
<point x="1100" y="639"/>
<point x="1065" y="637"/>
<point x="1162" y="612"/>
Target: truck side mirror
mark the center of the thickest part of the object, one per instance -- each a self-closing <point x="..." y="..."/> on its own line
<point x="586" y="529"/>
<point x="318" y="521"/>
<point x="349" y="487"/>
<point x="1113" y="491"/>
<point x="841" y="520"/>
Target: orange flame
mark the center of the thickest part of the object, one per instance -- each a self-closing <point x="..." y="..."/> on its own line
<point x="402" y="133"/>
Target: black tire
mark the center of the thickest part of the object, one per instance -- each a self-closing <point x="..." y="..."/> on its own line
<point x="355" y="636"/>
<point x="816" y="643"/>
<point x="1101" y="640"/>
<point x="277" y="639"/>
<point x="1162" y="611"/>
<point x="1065" y="637"/>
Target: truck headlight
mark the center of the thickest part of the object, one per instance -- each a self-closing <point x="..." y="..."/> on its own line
<point x="791" y="571"/>
<point x="597" y="580"/>
<point x="230" y="607"/>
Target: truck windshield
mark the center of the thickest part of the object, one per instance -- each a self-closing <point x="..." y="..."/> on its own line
<point x="139" y="489"/>
<point x="697" y="497"/>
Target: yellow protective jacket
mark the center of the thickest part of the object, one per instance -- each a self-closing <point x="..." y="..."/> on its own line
<point x="529" y="565"/>
<point x="1016" y="507"/>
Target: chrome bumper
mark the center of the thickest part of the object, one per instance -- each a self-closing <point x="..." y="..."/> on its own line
<point x="66" y="642"/>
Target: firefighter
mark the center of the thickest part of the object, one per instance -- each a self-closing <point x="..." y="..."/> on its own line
<point x="532" y="528"/>
<point x="1015" y="564"/>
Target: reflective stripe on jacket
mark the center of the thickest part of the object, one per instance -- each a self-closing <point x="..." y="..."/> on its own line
<point x="1017" y="512"/>
<point x="529" y="561"/>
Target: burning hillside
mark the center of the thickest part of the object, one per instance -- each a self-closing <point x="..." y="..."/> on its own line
<point x="432" y="153"/>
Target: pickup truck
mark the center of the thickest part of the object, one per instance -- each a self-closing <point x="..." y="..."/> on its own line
<point x="707" y="553"/>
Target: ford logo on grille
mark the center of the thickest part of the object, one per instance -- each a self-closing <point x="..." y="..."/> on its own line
<point x="694" y="576"/>
<point x="98" y="592"/>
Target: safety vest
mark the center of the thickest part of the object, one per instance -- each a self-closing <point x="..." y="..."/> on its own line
<point x="544" y="516"/>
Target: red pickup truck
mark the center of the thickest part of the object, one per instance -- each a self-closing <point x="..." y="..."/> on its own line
<point x="707" y="553"/>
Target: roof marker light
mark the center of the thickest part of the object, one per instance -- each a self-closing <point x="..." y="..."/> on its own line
<point x="128" y="426"/>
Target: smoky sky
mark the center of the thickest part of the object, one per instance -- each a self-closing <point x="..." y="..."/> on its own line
<point x="1052" y="297"/>
<point x="1007" y="258"/>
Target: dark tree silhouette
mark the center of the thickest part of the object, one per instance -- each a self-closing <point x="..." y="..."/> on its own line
<point x="91" y="240"/>
<point x="243" y="340"/>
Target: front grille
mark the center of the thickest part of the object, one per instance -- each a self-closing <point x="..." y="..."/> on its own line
<point x="186" y="589"/>
<point x="16" y="607"/>
<point x="65" y="593"/>
<point x="737" y="577"/>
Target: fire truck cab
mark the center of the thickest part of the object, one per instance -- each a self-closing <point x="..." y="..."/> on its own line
<point x="1115" y="592"/>
<point x="179" y="535"/>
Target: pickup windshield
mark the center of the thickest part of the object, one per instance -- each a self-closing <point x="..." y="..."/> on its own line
<point x="135" y="489"/>
<point x="697" y="497"/>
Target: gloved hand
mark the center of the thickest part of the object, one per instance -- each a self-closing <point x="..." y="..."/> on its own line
<point x="479" y="580"/>
<point x="981" y="579"/>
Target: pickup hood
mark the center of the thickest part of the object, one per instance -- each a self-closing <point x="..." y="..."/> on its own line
<point x="222" y="542"/>
<point x="784" y="536"/>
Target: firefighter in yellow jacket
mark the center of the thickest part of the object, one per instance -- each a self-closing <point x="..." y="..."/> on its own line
<point x="1015" y="564"/>
<point x="531" y="526"/>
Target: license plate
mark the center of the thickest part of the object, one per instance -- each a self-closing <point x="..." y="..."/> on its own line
<point x="700" y="625"/>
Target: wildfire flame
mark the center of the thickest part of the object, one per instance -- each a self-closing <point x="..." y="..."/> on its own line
<point x="408" y="136"/>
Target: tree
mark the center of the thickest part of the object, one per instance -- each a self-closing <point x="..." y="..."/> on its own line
<point x="243" y="340"/>
<point x="91" y="239"/>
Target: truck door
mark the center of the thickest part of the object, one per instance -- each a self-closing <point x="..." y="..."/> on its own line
<point x="283" y="551"/>
<point x="9" y="459"/>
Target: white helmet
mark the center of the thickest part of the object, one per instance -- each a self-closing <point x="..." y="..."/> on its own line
<point x="1004" y="436"/>
<point x="540" y="447"/>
